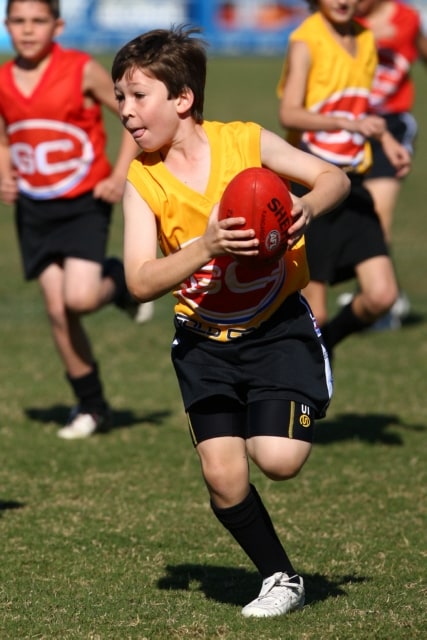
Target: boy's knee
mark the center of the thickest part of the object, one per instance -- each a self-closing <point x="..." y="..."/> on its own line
<point x="286" y="470"/>
<point x="80" y="302"/>
<point x="381" y="299"/>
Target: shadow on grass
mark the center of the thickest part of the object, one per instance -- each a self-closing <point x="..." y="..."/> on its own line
<point x="58" y="414"/>
<point x="367" y="427"/>
<point x="239" y="586"/>
<point x="5" y="505"/>
<point x="412" y="319"/>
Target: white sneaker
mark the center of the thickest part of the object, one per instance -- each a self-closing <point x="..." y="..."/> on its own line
<point x="277" y="596"/>
<point x="387" y="322"/>
<point x="344" y="299"/>
<point x="402" y="307"/>
<point x="144" y="312"/>
<point x="83" y="425"/>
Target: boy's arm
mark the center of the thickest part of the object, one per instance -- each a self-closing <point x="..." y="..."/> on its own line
<point x="98" y="85"/>
<point x="421" y="41"/>
<point x="292" y="111"/>
<point x="328" y="185"/>
<point x="8" y="175"/>
<point x="396" y="153"/>
<point x="149" y="276"/>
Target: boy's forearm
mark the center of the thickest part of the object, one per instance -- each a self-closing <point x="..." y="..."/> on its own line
<point x="303" y="120"/>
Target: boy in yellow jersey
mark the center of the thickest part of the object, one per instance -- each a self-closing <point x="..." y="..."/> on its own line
<point x="252" y="369"/>
<point x="324" y="91"/>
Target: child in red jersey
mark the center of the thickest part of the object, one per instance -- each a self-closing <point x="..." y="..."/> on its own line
<point x="400" y="42"/>
<point x="54" y="168"/>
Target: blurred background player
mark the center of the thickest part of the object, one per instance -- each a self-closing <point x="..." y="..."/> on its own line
<point x="324" y="92"/>
<point x="400" y="42"/>
<point x="54" y="168"/>
<point x="253" y="372"/>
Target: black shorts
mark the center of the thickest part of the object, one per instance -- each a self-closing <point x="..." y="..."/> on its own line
<point x="338" y="241"/>
<point x="403" y="126"/>
<point x="51" y="230"/>
<point x="284" y="359"/>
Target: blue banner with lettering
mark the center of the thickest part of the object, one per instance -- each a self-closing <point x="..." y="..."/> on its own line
<point x="239" y="27"/>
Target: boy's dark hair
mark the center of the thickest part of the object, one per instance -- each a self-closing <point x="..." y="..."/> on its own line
<point x="172" y="56"/>
<point x="53" y="6"/>
<point x="313" y="5"/>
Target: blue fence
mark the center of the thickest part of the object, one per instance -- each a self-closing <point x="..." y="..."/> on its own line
<point x="240" y="27"/>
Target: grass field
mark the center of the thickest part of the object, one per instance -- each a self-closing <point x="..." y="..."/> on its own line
<point x="112" y="538"/>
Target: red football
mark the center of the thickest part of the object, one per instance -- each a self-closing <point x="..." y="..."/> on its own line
<point x="262" y="197"/>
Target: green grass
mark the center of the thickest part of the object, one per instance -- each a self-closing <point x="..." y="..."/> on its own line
<point x="112" y="538"/>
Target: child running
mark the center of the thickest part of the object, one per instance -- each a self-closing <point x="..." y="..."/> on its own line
<point x="253" y="372"/>
<point x="324" y="91"/>
<point x="54" y="168"/>
<point x="400" y="41"/>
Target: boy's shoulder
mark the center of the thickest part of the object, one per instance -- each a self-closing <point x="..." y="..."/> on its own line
<point x="314" y="32"/>
<point x="315" y="26"/>
<point x="313" y="21"/>
<point x="60" y="52"/>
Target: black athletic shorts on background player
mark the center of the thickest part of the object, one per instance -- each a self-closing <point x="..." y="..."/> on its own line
<point x="51" y="230"/>
<point x="338" y="241"/>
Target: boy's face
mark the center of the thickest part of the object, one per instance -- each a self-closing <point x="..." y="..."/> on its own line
<point x="32" y="28"/>
<point x="146" y="110"/>
<point x="364" y="7"/>
<point x="339" y="12"/>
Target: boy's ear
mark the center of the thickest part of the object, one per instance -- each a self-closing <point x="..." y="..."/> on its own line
<point x="185" y="100"/>
<point x="59" y="26"/>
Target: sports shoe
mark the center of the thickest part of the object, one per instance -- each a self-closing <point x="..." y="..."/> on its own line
<point x="402" y="307"/>
<point x="140" y="312"/>
<point x="344" y="299"/>
<point x="144" y="312"/>
<point x="277" y="596"/>
<point x="83" y="425"/>
<point x="387" y="322"/>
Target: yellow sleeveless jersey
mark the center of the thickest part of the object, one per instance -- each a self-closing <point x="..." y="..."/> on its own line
<point x="338" y="85"/>
<point x="224" y="299"/>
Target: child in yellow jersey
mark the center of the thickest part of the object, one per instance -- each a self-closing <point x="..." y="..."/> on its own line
<point x="253" y="372"/>
<point x="324" y="92"/>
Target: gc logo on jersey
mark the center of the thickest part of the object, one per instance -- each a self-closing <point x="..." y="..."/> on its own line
<point x="55" y="163"/>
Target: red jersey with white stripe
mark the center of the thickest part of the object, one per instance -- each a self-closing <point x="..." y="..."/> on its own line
<point x="57" y="143"/>
<point x="393" y="89"/>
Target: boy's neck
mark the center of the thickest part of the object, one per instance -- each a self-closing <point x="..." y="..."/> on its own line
<point x="31" y="64"/>
<point x="340" y="29"/>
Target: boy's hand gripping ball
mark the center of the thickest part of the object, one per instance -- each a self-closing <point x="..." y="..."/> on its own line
<point x="262" y="197"/>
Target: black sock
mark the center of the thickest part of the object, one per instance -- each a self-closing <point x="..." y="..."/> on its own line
<point x="251" y="526"/>
<point x="88" y="391"/>
<point x="345" y="323"/>
<point x="113" y="268"/>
